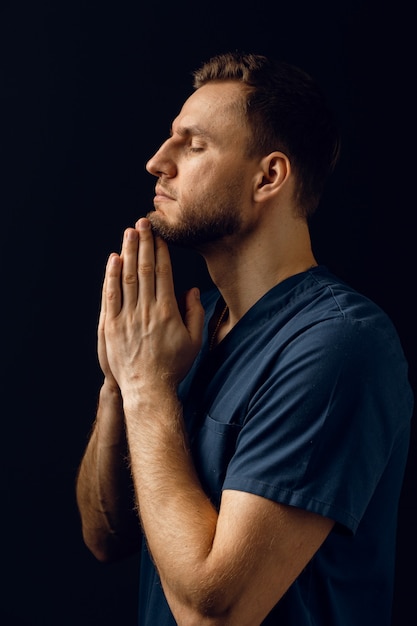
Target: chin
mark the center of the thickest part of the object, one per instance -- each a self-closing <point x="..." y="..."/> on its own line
<point x="160" y="224"/>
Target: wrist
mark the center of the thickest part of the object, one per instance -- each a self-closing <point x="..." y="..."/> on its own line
<point x="109" y="425"/>
<point x="149" y="398"/>
<point x="110" y="394"/>
<point x="111" y="388"/>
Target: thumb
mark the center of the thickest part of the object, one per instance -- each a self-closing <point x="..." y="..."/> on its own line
<point x="194" y="316"/>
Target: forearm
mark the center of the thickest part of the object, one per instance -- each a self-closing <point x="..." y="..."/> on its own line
<point x="178" y="519"/>
<point x="104" y="492"/>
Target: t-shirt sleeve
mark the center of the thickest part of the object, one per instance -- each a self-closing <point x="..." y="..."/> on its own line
<point x="322" y="425"/>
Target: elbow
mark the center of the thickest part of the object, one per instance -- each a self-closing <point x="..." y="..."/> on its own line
<point x="107" y="548"/>
<point x="193" y="616"/>
<point x="213" y="610"/>
<point x="102" y="555"/>
<point x="98" y="546"/>
<point x="205" y="609"/>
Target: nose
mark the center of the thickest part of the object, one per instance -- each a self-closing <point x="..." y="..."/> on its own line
<point x="161" y="163"/>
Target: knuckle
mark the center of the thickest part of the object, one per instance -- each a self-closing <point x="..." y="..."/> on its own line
<point x="111" y="294"/>
<point x="162" y="269"/>
<point x="145" y="269"/>
<point x="129" y="278"/>
<point x="166" y="310"/>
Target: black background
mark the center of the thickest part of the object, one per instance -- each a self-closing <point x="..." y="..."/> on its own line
<point x="88" y="91"/>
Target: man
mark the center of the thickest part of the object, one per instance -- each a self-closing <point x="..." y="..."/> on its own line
<point x="264" y="428"/>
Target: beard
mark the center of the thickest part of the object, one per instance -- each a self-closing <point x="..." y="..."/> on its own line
<point x="201" y="223"/>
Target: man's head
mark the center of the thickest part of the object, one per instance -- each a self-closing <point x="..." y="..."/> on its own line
<point x="253" y="132"/>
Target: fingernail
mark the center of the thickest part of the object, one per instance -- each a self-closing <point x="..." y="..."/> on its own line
<point x="144" y="224"/>
<point x="131" y="235"/>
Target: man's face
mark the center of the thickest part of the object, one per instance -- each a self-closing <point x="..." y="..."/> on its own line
<point x="204" y="175"/>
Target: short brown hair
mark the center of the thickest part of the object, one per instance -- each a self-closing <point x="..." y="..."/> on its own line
<point x="286" y="111"/>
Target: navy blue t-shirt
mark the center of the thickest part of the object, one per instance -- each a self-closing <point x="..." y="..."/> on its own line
<point x="306" y="402"/>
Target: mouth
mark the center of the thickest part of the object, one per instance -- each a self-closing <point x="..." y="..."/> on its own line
<point x="161" y="195"/>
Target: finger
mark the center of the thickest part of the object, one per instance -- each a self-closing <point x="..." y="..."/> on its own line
<point x="113" y="293"/>
<point x="102" y="315"/>
<point x="163" y="271"/>
<point x="194" y="316"/>
<point x="146" y="263"/>
<point x="130" y="286"/>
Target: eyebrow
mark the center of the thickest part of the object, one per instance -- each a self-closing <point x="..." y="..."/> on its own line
<point x="187" y="131"/>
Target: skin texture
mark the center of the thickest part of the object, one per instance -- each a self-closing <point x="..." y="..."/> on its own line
<point x="239" y="212"/>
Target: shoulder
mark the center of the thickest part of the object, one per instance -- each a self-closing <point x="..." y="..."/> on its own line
<point x="325" y="300"/>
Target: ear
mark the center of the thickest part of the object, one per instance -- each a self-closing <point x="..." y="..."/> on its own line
<point x="274" y="171"/>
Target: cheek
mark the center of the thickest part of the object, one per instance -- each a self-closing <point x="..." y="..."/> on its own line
<point x="202" y="181"/>
<point x="193" y="192"/>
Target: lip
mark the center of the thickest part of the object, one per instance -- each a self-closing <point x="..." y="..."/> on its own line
<point x="161" y="195"/>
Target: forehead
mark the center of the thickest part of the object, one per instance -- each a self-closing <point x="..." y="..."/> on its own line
<point x="215" y="109"/>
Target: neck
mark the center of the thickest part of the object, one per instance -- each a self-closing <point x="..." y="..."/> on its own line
<point x="244" y="273"/>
